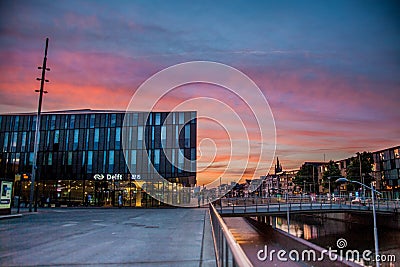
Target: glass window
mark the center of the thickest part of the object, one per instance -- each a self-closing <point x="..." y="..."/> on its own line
<point x="90" y="162"/>
<point x="140" y="136"/>
<point x="92" y="119"/>
<point x="16" y="124"/>
<point x="111" y="161"/>
<point x="158" y="118"/>
<point x="149" y="161"/>
<point x="48" y="138"/>
<point x="173" y="161"/>
<point x="157" y="159"/>
<point x="152" y="136"/>
<point x="176" y="135"/>
<point x="181" y="118"/>
<point x="133" y="161"/>
<point x="108" y="138"/>
<point x="56" y="136"/>
<point x="23" y="144"/>
<point x="96" y="138"/>
<point x="53" y="122"/>
<point x="72" y="122"/>
<point x="50" y="159"/>
<point x="113" y="120"/>
<point x="83" y="158"/>
<point x="181" y="160"/>
<point x="5" y="145"/>
<point x="135" y="119"/>
<point x="31" y="158"/>
<point x="164" y="136"/>
<point x="14" y="141"/>
<point x="76" y="138"/>
<point x="104" y="160"/>
<point x="69" y="160"/>
<point x="33" y="126"/>
<point x="87" y="139"/>
<point x="66" y="140"/>
<point x="117" y="138"/>
<point x="187" y="135"/>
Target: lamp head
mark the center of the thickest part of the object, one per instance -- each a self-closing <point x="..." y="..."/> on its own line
<point x="342" y="180"/>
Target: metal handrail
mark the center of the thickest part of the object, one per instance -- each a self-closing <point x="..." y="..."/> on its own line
<point x="224" y="242"/>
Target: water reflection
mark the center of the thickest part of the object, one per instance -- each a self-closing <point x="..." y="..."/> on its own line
<point x="325" y="233"/>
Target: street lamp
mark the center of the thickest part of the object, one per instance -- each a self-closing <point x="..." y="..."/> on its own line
<point x="42" y="80"/>
<point x="343" y="179"/>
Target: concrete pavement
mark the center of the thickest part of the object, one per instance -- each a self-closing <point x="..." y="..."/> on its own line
<point x="105" y="237"/>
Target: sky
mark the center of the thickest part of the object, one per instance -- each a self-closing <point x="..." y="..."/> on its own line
<point x="329" y="70"/>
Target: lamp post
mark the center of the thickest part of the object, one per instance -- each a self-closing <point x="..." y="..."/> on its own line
<point x="343" y="179"/>
<point x="37" y="129"/>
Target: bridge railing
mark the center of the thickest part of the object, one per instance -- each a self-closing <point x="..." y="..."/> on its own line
<point x="228" y="251"/>
<point x="259" y="204"/>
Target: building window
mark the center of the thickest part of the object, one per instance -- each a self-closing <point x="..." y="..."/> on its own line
<point x="72" y="122"/>
<point x="53" y="122"/>
<point x="157" y="159"/>
<point x="31" y="158"/>
<point x="187" y="135"/>
<point x="56" y="136"/>
<point x="113" y="120"/>
<point x="181" y="118"/>
<point x="69" y="159"/>
<point x="5" y="145"/>
<point x="140" y="136"/>
<point x="91" y="120"/>
<point x="181" y="160"/>
<point x="111" y="161"/>
<point x="158" y="119"/>
<point x="133" y="161"/>
<point x="14" y="142"/>
<point x="163" y="136"/>
<point x="23" y="143"/>
<point x="118" y="138"/>
<point x="16" y="124"/>
<point x="76" y="138"/>
<point x="90" y="162"/>
<point x="33" y="126"/>
<point x="50" y="159"/>
<point x="96" y="138"/>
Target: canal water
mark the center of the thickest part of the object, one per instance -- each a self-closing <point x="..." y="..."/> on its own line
<point x="339" y="235"/>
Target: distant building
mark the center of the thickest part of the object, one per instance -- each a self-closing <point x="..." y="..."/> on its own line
<point x="386" y="169"/>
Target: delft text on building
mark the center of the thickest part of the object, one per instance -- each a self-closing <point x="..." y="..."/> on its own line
<point x="91" y="157"/>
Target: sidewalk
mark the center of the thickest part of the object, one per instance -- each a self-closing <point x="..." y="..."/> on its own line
<point x="108" y="237"/>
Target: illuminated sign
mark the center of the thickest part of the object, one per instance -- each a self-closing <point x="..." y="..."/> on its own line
<point x="6" y="192"/>
<point x="115" y="177"/>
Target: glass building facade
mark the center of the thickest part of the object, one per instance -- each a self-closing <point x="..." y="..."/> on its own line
<point x="90" y="157"/>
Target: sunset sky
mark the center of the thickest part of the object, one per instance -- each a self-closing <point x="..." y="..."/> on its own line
<point x="330" y="70"/>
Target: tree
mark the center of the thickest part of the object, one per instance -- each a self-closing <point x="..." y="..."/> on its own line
<point x="353" y="169"/>
<point x="332" y="171"/>
<point x="306" y="174"/>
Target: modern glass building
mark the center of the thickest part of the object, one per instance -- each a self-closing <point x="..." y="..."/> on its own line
<point x="89" y="157"/>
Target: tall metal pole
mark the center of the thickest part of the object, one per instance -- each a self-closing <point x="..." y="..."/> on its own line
<point x="375" y="228"/>
<point x="36" y="142"/>
<point x="361" y="177"/>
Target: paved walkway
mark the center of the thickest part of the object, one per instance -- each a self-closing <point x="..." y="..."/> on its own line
<point x="108" y="237"/>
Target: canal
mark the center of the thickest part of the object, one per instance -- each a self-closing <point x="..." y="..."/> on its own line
<point x="341" y="235"/>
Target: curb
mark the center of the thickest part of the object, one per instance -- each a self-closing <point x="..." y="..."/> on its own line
<point x="11" y="216"/>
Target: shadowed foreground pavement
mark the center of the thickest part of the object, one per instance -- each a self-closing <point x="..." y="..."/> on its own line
<point x="131" y="237"/>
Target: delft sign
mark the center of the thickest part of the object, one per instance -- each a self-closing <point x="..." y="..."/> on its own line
<point x="115" y="177"/>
